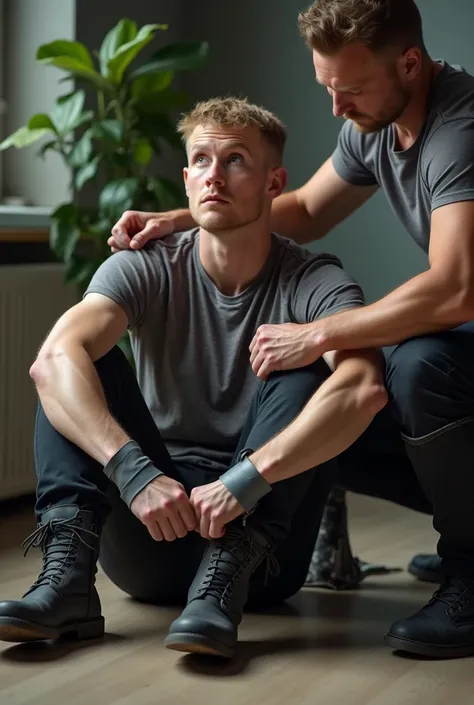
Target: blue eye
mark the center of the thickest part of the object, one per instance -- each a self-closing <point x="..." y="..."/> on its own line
<point x="234" y="158"/>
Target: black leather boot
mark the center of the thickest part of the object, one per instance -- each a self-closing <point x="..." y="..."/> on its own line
<point x="216" y="598"/>
<point x="427" y="567"/>
<point x="63" y="600"/>
<point x="444" y="628"/>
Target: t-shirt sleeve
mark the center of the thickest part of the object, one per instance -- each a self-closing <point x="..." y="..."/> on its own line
<point x="132" y="279"/>
<point x="348" y="160"/>
<point x="322" y="287"/>
<point x="449" y="163"/>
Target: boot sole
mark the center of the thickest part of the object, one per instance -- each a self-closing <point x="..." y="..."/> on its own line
<point x="431" y="650"/>
<point x="197" y="644"/>
<point x="17" y="630"/>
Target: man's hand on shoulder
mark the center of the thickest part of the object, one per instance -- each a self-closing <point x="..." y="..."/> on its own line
<point x="135" y="228"/>
<point x="164" y="507"/>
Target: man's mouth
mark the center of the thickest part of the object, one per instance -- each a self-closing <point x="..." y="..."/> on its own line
<point x="214" y="199"/>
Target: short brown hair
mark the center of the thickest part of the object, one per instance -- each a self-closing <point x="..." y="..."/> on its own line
<point x="235" y="112"/>
<point x="329" y="25"/>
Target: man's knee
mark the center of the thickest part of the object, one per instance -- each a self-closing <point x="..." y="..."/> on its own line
<point x="421" y="384"/>
<point x="298" y="384"/>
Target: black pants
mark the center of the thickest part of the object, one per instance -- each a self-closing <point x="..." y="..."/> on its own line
<point x="162" y="571"/>
<point x="420" y="451"/>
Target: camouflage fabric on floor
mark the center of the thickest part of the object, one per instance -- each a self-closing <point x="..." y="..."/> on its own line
<point x="332" y="565"/>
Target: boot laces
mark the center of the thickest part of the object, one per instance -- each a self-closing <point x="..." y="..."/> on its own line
<point x="227" y="562"/>
<point x="454" y="592"/>
<point x="60" y="554"/>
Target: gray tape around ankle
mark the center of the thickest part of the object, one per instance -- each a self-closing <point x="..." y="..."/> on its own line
<point x="131" y="471"/>
<point x="246" y="484"/>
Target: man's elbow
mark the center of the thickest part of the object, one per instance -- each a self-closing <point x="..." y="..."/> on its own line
<point x="365" y="370"/>
<point x="372" y="396"/>
<point x="464" y="305"/>
<point x="42" y="368"/>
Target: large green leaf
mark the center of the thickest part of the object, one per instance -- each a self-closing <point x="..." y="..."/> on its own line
<point x="181" y="56"/>
<point x="168" y="194"/>
<point x="87" y="172"/>
<point x="40" y="121"/>
<point x="64" y="231"/>
<point x="81" y="270"/>
<point x="165" y="128"/>
<point x="85" y="116"/>
<point x="23" y="137"/>
<point x="67" y="110"/>
<point x="118" y="195"/>
<point x="82" y="150"/>
<point x="151" y="83"/>
<point x="65" y="48"/>
<point x="142" y="151"/>
<point x="110" y="130"/>
<point x="73" y="57"/>
<point x="123" y="32"/>
<point x="127" y="52"/>
<point x="46" y="148"/>
<point x="162" y="102"/>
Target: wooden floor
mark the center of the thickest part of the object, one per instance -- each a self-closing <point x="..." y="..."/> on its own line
<point x="322" y="647"/>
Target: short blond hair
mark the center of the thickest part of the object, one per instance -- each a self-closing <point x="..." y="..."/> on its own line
<point x="329" y="25"/>
<point x="235" y="112"/>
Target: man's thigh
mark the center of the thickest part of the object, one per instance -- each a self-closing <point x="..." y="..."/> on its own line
<point x="149" y="570"/>
<point x="377" y="465"/>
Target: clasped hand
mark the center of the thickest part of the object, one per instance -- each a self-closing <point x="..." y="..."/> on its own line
<point x="168" y="513"/>
<point x="285" y="346"/>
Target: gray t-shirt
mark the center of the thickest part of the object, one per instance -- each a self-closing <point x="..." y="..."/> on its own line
<point x="436" y="170"/>
<point x="191" y="343"/>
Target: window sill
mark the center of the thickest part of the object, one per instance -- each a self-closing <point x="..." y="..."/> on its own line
<point x="25" y="216"/>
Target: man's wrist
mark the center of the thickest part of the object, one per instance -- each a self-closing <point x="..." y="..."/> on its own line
<point x="131" y="471"/>
<point x="246" y="484"/>
<point x="323" y="337"/>
<point x="181" y="219"/>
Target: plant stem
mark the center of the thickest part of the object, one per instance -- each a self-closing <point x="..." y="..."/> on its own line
<point x="101" y="104"/>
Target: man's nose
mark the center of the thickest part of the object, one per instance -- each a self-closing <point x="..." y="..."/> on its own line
<point x="340" y="105"/>
<point x="215" y="173"/>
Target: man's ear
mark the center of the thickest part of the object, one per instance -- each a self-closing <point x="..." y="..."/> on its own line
<point x="185" y="177"/>
<point x="279" y="179"/>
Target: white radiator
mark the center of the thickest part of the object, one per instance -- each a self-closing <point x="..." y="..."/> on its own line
<point x="32" y="297"/>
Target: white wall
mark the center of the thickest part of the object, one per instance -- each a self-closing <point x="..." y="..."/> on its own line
<point x="31" y="88"/>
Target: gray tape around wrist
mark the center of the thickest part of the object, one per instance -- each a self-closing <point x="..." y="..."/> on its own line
<point x="246" y="484"/>
<point x="131" y="471"/>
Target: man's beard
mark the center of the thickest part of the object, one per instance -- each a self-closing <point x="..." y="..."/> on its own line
<point x="389" y="116"/>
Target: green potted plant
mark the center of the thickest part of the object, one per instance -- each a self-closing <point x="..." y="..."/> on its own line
<point x="115" y="141"/>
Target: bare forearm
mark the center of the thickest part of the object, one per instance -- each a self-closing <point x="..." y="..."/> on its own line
<point x="291" y="219"/>
<point x="335" y="416"/>
<point x="421" y="305"/>
<point x="183" y="220"/>
<point x="73" y="400"/>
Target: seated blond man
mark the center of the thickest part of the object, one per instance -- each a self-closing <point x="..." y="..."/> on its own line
<point x="200" y="472"/>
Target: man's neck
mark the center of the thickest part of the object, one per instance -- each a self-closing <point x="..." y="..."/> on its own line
<point x="410" y="123"/>
<point x="233" y="259"/>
